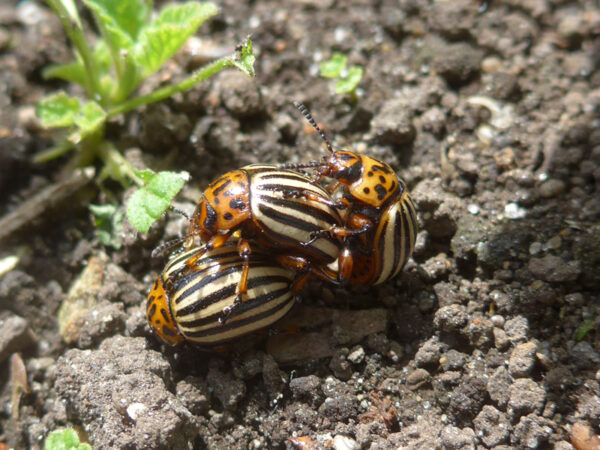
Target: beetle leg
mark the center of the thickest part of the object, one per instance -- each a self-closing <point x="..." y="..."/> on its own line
<point x="345" y="265"/>
<point x="302" y="265"/>
<point x="337" y="232"/>
<point x="242" y="288"/>
<point x="311" y="196"/>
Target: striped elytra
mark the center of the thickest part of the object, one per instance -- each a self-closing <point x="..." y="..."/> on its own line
<point x="393" y="242"/>
<point x="268" y="205"/>
<point x="287" y="218"/>
<point x="190" y="308"/>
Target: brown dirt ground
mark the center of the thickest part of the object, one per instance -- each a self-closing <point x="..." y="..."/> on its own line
<point x="491" y="117"/>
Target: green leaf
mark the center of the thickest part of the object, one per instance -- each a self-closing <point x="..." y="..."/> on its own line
<point x="147" y="204"/>
<point x="75" y="70"/>
<point x="71" y="10"/>
<point x="109" y="224"/>
<point x="128" y="16"/>
<point x="349" y="83"/>
<point x="334" y="66"/>
<point x="168" y="32"/>
<point x="115" y="26"/>
<point x="584" y="329"/>
<point x="90" y="118"/>
<point x="245" y="63"/>
<point x="66" y="439"/>
<point x="145" y="175"/>
<point x="58" y="110"/>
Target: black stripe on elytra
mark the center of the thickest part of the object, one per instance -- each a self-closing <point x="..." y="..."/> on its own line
<point x="304" y="208"/>
<point x="194" y="285"/>
<point x="399" y="238"/>
<point x="231" y="325"/>
<point x="287" y="220"/>
<point x="411" y="223"/>
<point x="382" y="244"/>
<point x="244" y="306"/>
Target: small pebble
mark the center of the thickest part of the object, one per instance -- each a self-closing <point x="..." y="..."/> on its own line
<point x="554" y="243"/>
<point x="553" y="269"/>
<point x="575" y="299"/>
<point x="552" y="188"/>
<point x="344" y="443"/>
<point x="473" y="209"/>
<point x="526" y="397"/>
<point x="135" y="410"/>
<point x="535" y="248"/>
<point x="522" y="360"/>
<point x="498" y="320"/>
<point x="514" y="211"/>
<point x="501" y="341"/>
<point x="357" y="355"/>
<point x="417" y="378"/>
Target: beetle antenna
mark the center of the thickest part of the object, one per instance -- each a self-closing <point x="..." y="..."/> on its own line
<point x="296" y="166"/>
<point x="308" y="116"/>
<point x="180" y="211"/>
<point x="162" y="248"/>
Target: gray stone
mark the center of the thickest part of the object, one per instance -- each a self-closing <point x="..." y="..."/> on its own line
<point x="458" y="439"/>
<point x="15" y="336"/>
<point x="584" y="356"/>
<point x="526" y="397"/>
<point x="227" y="389"/>
<point x="429" y="353"/>
<point x="458" y="63"/>
<point x="453" y="360"/>
<point x="498" y="386"/>
<point x="551" y="188"/>
<point x="492" y="426"/>
<point x="554" y="269"/>
<point x="307" y="388"/>
<point x="193" y="393"/>
<point x="99" y="322"/>
<point x="517" y="329"/>
<point x="450" y="318"/>
<point x="532" y="431"/>
<point x="393" y="124"/>
<point x="522" y="359"/>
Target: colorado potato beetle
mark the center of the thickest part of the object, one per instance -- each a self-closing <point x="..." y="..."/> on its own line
<point x="190" y="307"/>
<point x="380" y="220"/>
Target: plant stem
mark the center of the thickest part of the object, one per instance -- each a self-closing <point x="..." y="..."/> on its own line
<point x="116" y="166"/>
<point x="167" y="91"/>
<point x="76" y="36"/>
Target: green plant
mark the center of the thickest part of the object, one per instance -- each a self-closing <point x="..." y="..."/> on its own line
<point x="134" y="43"/>
<point x="584" y="329"/>
<point x="66" y="439"/>
<point x="348" y="79"/>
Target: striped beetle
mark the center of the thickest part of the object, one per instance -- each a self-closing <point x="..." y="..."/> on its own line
<point x="190" y="307"/>
<point x="267" y="205"/>
<point x="380" y="219"/>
